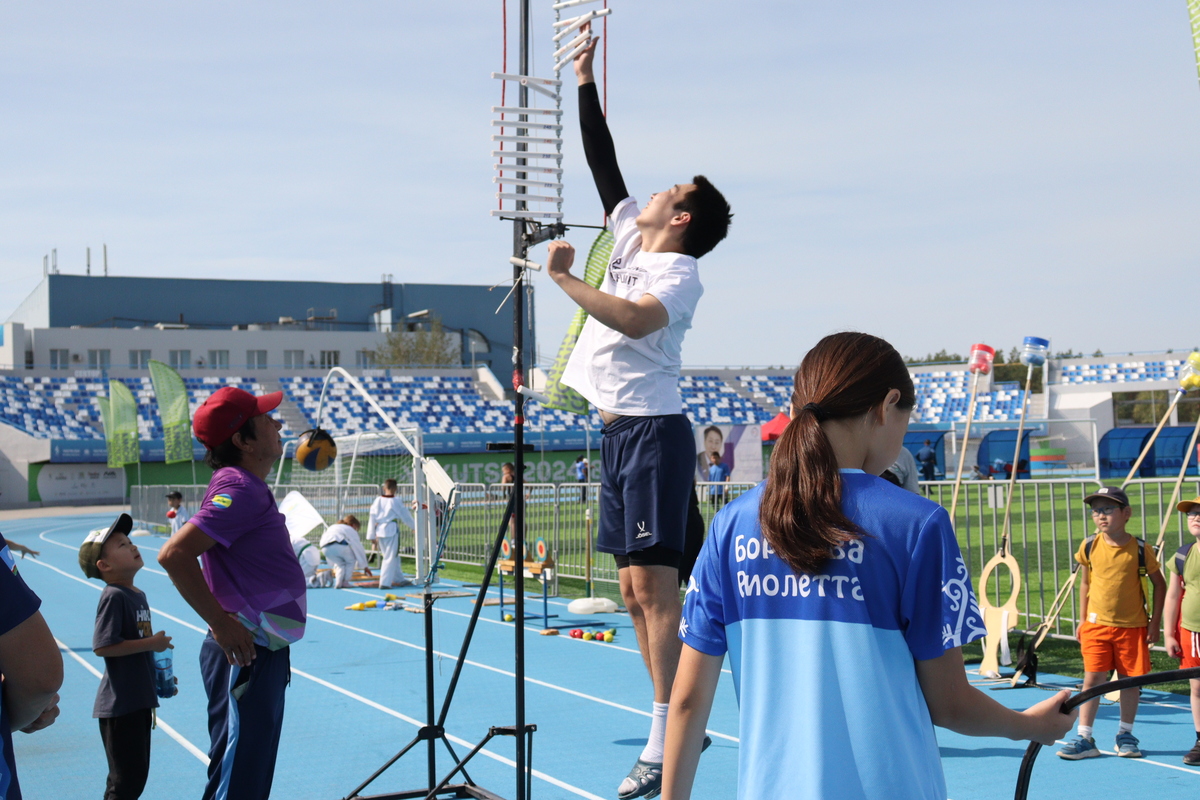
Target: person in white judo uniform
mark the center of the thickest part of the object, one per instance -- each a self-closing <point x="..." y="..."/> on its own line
<point x="343" y="550"/>
<point x="388" y="512"/>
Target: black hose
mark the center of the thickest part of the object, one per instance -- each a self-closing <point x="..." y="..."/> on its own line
<point x="1124" y="683"/>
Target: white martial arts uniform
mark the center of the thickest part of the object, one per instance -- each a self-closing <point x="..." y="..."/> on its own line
<point x="309" y="556"/>
<point x="383" y="526"/>
<point x="344" y="551"/>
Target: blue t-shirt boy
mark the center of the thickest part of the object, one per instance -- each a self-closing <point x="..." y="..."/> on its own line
<point x="823" y="663"/>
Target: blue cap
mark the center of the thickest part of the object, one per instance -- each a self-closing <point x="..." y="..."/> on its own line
<point x="1039" y="342"/>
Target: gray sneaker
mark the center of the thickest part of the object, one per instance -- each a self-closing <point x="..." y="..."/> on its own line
<point x="1079" y="748"/>
<point x="1127" y="746"/>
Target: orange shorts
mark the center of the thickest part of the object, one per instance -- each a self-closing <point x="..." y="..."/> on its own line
<point x="1190" y="642"/>
<point x="1106" y="648"/>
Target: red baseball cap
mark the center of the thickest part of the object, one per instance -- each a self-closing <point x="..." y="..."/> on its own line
<point x="227" y="410"/>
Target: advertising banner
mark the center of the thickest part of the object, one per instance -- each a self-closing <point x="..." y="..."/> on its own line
<point x="119" y="414"/>
<point x="564" y="397"/>
<point x="738" y="449"/>
<point x="172" y="397"/>
<point x="74" y="483"/>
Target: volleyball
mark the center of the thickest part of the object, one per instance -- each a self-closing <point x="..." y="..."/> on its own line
<point x="316" y="450"/>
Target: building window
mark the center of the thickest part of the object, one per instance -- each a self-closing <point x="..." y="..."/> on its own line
<point x="181" y="359"/>
<point x="99" y="359"/>
<point x="331" y="358"/>
<point x="218" y="359"/>
<point x="364" y="359"/>
<point x="256" y="359"/>
<point x="139" y="359"/>
<point x="293" y="359"/>
<point x="59" y="359"/>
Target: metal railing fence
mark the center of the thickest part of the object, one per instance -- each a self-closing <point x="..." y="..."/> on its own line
<point x="1049" y="521"/>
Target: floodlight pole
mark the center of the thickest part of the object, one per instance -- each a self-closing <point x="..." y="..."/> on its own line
<point x="520" y="250"/>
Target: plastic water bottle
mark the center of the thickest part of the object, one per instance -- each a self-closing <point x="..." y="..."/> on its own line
<point x="981" y="358"/>
<point x="164" y="675"/>
<point x="1034" y="351"/>
<point x="1189" y="373"/>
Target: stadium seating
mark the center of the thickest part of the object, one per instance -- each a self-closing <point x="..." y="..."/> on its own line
<point x="1163" y="369"/>
<point x="68" y="408"/>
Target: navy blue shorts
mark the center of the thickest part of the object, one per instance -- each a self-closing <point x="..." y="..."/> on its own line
<point x="646" y="468"/>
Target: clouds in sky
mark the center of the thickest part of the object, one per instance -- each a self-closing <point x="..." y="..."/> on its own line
<point x="936" y="173"/>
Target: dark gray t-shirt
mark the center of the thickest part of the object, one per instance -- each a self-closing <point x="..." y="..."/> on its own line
<point x="128" y="682"/>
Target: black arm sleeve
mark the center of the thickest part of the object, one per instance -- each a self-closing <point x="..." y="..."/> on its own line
<point x="599" y="149"/>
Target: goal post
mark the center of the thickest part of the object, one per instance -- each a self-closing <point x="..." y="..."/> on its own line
<point x="364" y="461"/>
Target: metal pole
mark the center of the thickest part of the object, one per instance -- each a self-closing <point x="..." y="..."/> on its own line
<point x="520" y="251"/>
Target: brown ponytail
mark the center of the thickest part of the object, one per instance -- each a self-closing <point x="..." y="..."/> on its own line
<point x="844" y="376"/>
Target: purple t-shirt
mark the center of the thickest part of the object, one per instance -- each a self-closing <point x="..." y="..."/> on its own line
<point x="252" y="570"/>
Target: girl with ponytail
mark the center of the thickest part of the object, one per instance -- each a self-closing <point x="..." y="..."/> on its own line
<point x="842" y="601"/>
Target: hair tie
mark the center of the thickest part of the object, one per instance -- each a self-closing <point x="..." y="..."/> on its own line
<point x="817" y="411"/>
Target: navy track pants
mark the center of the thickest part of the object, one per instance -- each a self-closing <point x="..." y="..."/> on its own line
<point x="244" y="733"/>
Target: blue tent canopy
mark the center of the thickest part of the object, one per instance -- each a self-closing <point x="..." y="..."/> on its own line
<point x="1000" y="445"/>
<point x="915" y="440"/>
<point x="1120" y="447"/>
<point x="1169" y="451"/>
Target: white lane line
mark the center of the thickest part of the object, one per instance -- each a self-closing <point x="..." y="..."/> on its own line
<point x="42" y="536"/>
<point x="167" y="729"/>
<point x="462" y="742"/>
<point x="489" y="620"/>
<point x="495" y="756"/>
<point x="504" y="672"/>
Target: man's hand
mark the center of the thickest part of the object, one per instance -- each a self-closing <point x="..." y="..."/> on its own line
<point x="1152" y="631"/>
<point x="560" y="256"/>
<point x="160" y="642"/>
<point x="1078" y="628"/>
<point x="235" y="640"/>
<point x="583" y="61"/>
<point x="45" y="719"/>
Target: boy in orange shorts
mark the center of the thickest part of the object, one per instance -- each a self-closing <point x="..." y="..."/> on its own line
<point x="1114" y="632"/>
<point x="1183" y="619"/>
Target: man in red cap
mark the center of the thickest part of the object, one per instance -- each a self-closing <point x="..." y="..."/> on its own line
<point x="251" y="591"/>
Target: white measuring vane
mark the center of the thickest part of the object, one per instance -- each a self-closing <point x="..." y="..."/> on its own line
<point x="528" y="139"/>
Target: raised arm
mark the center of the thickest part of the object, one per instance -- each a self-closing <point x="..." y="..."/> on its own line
<point x="597" y="141"/>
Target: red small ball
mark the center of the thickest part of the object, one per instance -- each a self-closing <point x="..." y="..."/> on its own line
<point x="171" y="514"/>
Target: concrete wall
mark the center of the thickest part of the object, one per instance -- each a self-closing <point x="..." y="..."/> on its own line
<point x="1080" y="403"/>
<point x="65" y="301"/>
<point x="17" y="451"/>
<point x="160" y="343"/>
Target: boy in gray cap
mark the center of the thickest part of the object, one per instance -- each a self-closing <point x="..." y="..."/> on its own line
<point x="124" y="638"/>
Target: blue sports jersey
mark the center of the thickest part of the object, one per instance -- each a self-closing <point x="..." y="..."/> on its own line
<point x="823" y="665"/>
<point x="17" y="604"/>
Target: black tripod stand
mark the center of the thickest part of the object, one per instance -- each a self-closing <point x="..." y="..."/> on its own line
<point x="434" y="729"/>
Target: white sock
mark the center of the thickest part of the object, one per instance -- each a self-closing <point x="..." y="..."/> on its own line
<point x="1125" y="727"/>
<point x="1085" y="731"/>
<point x="653" y="752"/>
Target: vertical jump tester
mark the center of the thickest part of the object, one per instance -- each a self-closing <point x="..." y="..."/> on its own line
<point x="528" y="168"/>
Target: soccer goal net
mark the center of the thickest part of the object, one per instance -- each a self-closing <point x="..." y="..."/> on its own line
<point x="364" y="461"/>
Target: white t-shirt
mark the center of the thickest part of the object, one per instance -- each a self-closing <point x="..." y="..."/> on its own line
<point x="637" y="377"/>
<point x="176" y="522"/>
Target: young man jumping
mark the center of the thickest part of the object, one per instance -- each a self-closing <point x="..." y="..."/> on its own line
<point x="626" y="363"/>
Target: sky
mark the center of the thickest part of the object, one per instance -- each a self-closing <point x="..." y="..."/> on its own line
<point x="936" y="173"/>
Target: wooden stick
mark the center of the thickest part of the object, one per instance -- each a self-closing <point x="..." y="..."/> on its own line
<point x="1146" y="449"/>
<point x="1166" y="521"/>
<point x="1016" y="462"/>
<point x="962" y="454"/>
<point x="998" y="619"/>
